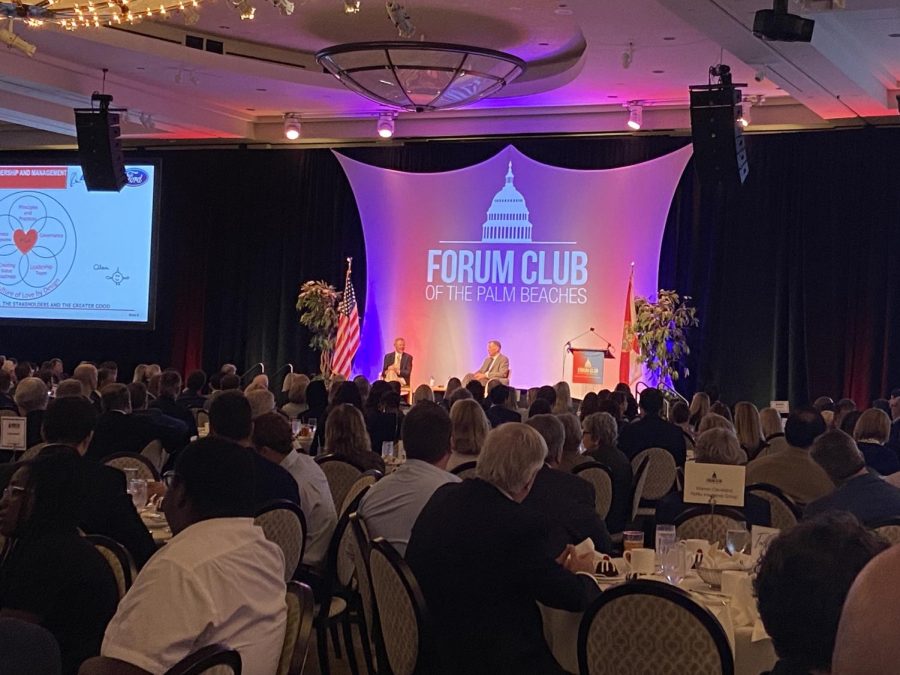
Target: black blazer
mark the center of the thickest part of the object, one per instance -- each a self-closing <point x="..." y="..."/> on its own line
<point x="622" y="475"/>
<point x="405" y="365"/>
<point x="653" y="432"/>
<point x="498" y="414"/>
<point x="569" y="503"/>
<point x="117" y="432"/>
<point x="168" y="406"/>
<point x="482" y="562"/>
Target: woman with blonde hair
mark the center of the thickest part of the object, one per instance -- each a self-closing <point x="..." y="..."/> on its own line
<point x="140" y="373"/>
<point x="563" y="402"/>
<point x="423" y="393"/>
<point x="772" y="428"/>
<point x="748" y="429"/>
<point x="699" y="407"/>
<point x="260" y="382"/>
<point x="470" y="428"/>
<point x="346" y="436"/>
<point x="872" y="430"/>
<point x="296" y="404"/>
<point x="714" y="421"/>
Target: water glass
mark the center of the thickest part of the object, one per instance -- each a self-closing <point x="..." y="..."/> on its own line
<point x="737" y="540"/>
<point x="675" y="563"/>
<point x="295" y="427"/>
<point x="632" y="539"/>
<point x="665" y="539"/>
<point x="387" y="450"/>
<point x="137" y="488"/>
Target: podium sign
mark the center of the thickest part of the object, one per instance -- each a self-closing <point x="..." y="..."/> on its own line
<point x="587" y="366"/>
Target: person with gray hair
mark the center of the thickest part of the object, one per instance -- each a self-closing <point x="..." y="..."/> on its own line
<point x="494" y="366"/>
<point x="571" y="454"/>
<point x="600" y="431"/>
<point x="70" y="388"/>
<point x="86" y="373"/>
<point x="262" y="401"/>
<point x="569" y="502"/>
<point x="31" y="398"/>
<point x="716" y="446"/>
<point x="858" y="489"/>
<point x="483" y="561"/>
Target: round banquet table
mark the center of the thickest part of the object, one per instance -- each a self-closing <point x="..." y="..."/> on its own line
<point x="753" y="650"/>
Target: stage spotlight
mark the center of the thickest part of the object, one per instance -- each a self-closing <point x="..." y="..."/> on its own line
<point x="743" y="114"/>
<point x="777" y="25"/>
<point x="246" y="8"/>
<point x="286" y="7"/>
<point x="635" y="116"/>
<point x="351" y="6"/>
<point x="13" y="41"/>
<point x="400" y="18"/>
<point x="291" y="126"/>
<point x="385" y="125"/>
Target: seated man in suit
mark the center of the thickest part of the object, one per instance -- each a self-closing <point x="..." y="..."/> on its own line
<point x="482" y="561"/>
<point x="218" y="581"/>
<point x="169" y="389"/>
<point x="567" y="500"/>
<point x="495" y="365"/>
<point x="397" y="364"/>
<point x="652" y="431"/>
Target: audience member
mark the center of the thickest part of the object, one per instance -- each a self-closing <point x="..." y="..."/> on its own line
<point x="227" y="382"/>
<point x="600" y="433"/>
<point x="49" y="575"/>
<point x="229" y="419"/>
<point x="459" y="394"/>
<point x="680" y="416"/>
<point x="773" y="431"/>
<point x="346" y="437"/>
<point x="140" y="373"/>
<point x="652" y="431"/>
<point x="568" y="502"/>
<point x="719" y="408"/>
<point x="316" y="402"/>
<point x="296" y="403"/>
<point x="105" y="376"/>
<point x="68" y="388"/>
<point x="192" y="397"/>
<point x="423" y="393"/>
<point x="871" y="431"/>
<point x="259" y="382"/>
<point x="169" y="389"/>
<point x="31" y="398"/>
<point x="500" y="411"/>
<point x="391" y="506"/>
<point x="218" y="581"/>
<point x="547" y="393"/>
<point x="563" y="402"/>
<point x="481" y="559"/>
<point x="385" y="423"/>
<point x="713" y="420"/>
<point x="470" y="430"/>
<point x="571" y="455"/>
<point x="824" y="403"/>
<point x="23" y="370"/>
<point x="342" y="392"/>
<point x="540" y="406"/>
<point x="842" y="408"/>
<point x="700" y="404"/>
<point x="272" y="439"/>
<point x="262" y="401"/>
<point x="589" y="405"/>
<point x="857" y="489"/>
<point x="86" y="373"/>
<point x="747" y="428"/>
<point x="362" y="383"/>
<point x="802" y="584"/>
<point x="792" y="470"/>
<point x="59" y="370"/>
<point x="6" y="400"/>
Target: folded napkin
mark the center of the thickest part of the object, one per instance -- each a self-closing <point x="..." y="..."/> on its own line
<point x="717" y="559"/>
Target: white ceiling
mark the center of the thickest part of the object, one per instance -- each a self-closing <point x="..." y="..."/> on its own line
<point x="575" y="81"/>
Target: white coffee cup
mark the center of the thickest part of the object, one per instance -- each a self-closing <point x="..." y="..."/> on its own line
<point x="642" y="560"/>
<point x="732" y="581"/>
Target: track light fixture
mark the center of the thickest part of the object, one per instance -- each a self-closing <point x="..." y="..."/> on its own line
<point x="635" y="115"/>
<point x="385" y="125"/>
<point x="13" y="41"/>
<point x="291" y="126"/>
<point x="246" y="9"/>
<point x="351" y="6"/>
<point x="286" y="7"/>
<point x="400" y="18"/>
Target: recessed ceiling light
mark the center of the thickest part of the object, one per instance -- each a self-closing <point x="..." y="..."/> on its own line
<point x="544" y="44"/>
<point x="250" y="109"/>
<point x="140" y="68"/>
<point x="658" y="72"/>
<point x="261" y="89"/>
<point x="893" y="34"/>
<point x="612" y="96"/>
<point x="225" y="27"/>
<point x="562" y="10"/>
<point x="669" y="38"/>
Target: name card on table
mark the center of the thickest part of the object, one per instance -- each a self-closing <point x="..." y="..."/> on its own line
<point x="723" y="483"/>
<point x="12" y="433"/>
<point x="759" y="539"/>
<point x="783" y="407"/>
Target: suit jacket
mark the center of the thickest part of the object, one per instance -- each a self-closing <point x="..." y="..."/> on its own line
<point x="500" y="371"/>
<point x="118" y="432"/>
<point x="498" y="414"/>
<point x="482" y="563"/>
<point x="653" y="431"/>
<point x="168" y="406"/>
<point x="569" y="502"/>
<point x="620" y="510"/>
<point x="868" y="497"/>
<point x="794" y="472"/>
<point x="405" y="365"/>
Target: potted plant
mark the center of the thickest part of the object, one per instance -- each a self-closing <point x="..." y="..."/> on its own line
<point x="317" y="304"/>
<point x="661" y="331"/>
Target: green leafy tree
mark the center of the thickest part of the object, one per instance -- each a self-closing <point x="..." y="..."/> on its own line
<point x="661" y="329"/>
<point x="317" y="305"/>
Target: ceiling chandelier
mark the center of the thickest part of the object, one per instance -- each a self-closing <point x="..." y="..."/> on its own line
<point x="420" y="76"/>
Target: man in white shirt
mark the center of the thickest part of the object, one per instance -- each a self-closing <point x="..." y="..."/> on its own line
<point x="397" y="364"/>
<point x="495" y="365"/>
<point x="391" y="506"/>
<point x="218" y="580"/>
<point x="272" y="439"/>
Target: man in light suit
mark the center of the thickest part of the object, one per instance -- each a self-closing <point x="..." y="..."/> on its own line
<point x="495" y="366"/>
<point x="397" y="363"/>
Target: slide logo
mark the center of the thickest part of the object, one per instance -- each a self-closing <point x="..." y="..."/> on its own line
<point x="136" y="177"/>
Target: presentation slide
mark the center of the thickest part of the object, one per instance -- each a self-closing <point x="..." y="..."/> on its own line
<point x="67" y="254"/>
<point x="509" y="249"/>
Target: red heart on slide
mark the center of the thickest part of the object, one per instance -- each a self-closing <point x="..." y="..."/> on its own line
<point x="25" y="241"/>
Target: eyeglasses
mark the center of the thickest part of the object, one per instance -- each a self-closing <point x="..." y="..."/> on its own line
<point x="11" y="490"/>
<point x="168" y="479"/>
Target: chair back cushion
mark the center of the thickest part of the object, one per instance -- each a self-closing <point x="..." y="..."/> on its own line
<point x="640" y="480"/>
<point x="300" y="613"/>
<point x="282" y="522"/>
<point x="119" y="560"/>
<point x="600" y="477"/>
<point x="359" y="550"/>
<point x="368" y="479"/>
<point x="156" y="454"/>
<point x="650" y="627"/>
<point x="341" y="476"/>
<point x="661" y="472"/>
<point x="782" y="510"/>
<point x="710" y="526"/>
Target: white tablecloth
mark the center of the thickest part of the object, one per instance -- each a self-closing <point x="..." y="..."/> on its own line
<point x="753" y="653"/>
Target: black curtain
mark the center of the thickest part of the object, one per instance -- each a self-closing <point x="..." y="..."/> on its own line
<point x="794" y="274"/>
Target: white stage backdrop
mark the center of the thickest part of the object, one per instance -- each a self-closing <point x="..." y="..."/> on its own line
<point x="509" y="249"/>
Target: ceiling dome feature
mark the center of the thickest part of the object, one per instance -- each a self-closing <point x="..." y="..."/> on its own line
<point x="420" y="76"/>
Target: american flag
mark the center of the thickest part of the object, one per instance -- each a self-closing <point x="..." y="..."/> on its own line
<point x="347" y="341"/>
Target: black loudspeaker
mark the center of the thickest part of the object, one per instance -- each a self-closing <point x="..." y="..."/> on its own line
<point x="720" y="153"/>
<point x="100" y="150"/>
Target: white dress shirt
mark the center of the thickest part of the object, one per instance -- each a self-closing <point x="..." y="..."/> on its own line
<point x="217" y="581"/>
<point x="317" y="504"/>
<point x="391" y="506"/>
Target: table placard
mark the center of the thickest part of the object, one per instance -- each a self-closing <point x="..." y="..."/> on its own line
<point x="759" y="539"/>
<point x="723" y="483"/>
<point x="783" y="407"/>
<point x="13" y="433"/>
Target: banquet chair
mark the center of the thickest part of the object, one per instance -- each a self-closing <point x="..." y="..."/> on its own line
<point x="341" y="474"/>
<point x="661" y="477"/>
<point x="300" y="612"/>
<point x="401" y="610"/>
<point x="211" y="660"/>
<point x="888" y="529"/>
<point x="600" y="477"/>
<point x="360" y="547"/>
<point x="119" y="560"/>
<point x="704" y="522"/>
<point x="283" y="523"/>
<point x="368" y="479"/>
<point x="156" y="454"/>
<point x="651" y="627"/>
<point x="784" y="512"/>
<point x="32" y="452"/>
<point x="637" y="488"/>
<point x="465" y="470"/>
<point x="6" y="412"/>
<point x="132" y="460"/>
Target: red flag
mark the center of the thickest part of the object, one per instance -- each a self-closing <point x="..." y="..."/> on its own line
<point x="629" y="366"/>
<point x="347" y="341"/>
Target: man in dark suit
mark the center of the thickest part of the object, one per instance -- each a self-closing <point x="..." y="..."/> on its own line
<point x="169" y="388"/>
<point x="482" y="561"/>
<point x="652" y="431"/>
<point x="398" y="364"/>
<point x="568" y="501"/>
<point x="498" y="413"/>
<point x="105" y="505"/>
